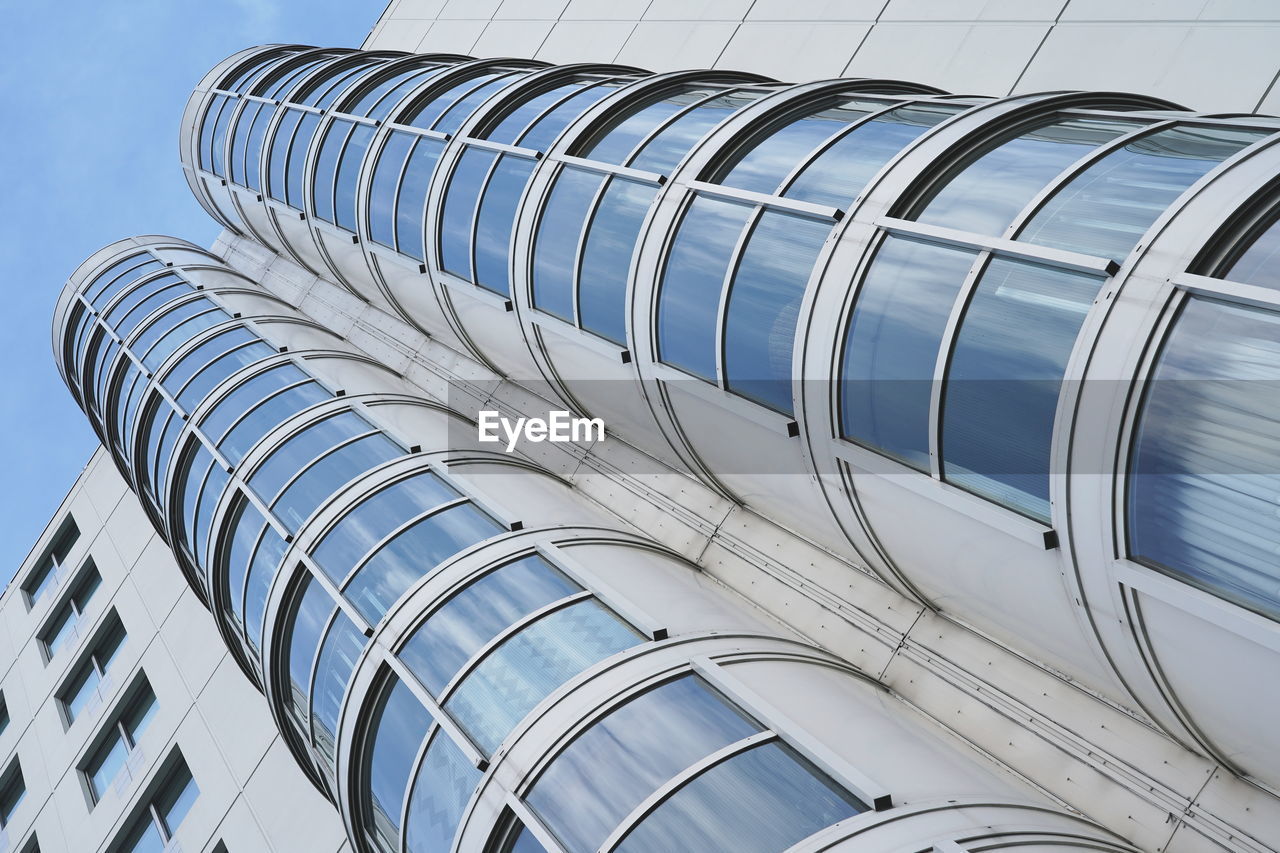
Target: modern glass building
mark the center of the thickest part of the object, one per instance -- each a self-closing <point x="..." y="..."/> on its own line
<point x="937" y="507"/>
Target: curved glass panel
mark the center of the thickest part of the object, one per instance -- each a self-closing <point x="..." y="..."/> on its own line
<point x="454" y="117"/>
<point x="246" y="525"/>
<point x="411" y="204"/>
<point x="319" y="482"/>
<point x="548" y="127"/>
<point x="414" y="553"/>
<point x="459" y="628"/>
<point x="444" y="785"/>
<point x="348" y="177"/>
<point x="689" y="300"/>
<point x="555" y="251"/>
<point x="307" y="444"/>
<point x="307" y="625"/>
<point x="611" y="767"/>
<point x="219" y="370"/>
<point x="263" y="418"/>
<point x="262" y="572"/>
<point x="838" y="175"/>
<point x="203" y="354"/>
<point x="180" y="334"/>
<point x="1259" y="264"/>
<point x="398" y="729"/>
<point x="606" y="257"/>
<point x="764" y="303"/>
<point x="668" y="146"/>
<point x="495" y="220"/>
<point x="382" y="191"/>
<point x="992" y="190"/>
<point x="891" y="346"/>
<point x="110" y="281"/>
<point x="631" y="127"/>
<point x="1107" y="208"/>
<point x="763" y="800"/>
<point x="427" y="113"/>
<point x="1205" y="469"/>
<point x="762" y="165"/>
<point x="526" y="667"/>
<point x="1004" y="378"/>
<point x="465" y="184"/>
<point x="342" y="648"/>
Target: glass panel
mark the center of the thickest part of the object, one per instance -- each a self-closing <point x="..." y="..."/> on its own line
<point x="612" y="766"/>
<point x="94" y="291"/>
<point x="413" y="554"/>
<point x="411" y="207"/>
<point x="992" y="190"/>
<point x="342" y="648"/>
<point x="326" y="170"/>
<point x="130" y="301"/>
<point x="459" y="209"/>
<point x="375" y="518"/>
<point x="426" y="114"/>
<point x="214" y="486"/>
<point x="1206" y="460"/>
<point x="453" y="119"/>
<point x="548" y="127"/>
<point x="764" y="302"/>
<point x="471" y="618"/>
<point x="616" y="144"/>
<point x="267" y="416"/>
<point x="1107" y="208"/>
<point x="382" y="191"/>
<point x="760" y="801"/>
<point x="838" y="175"/>
<point x="262" y="571"/>
<point x="180" y="334"/>
<point x="555" y="250"/>
<point x="176" y="799"/>
<point x="107" y="764"/>
<point x="229" y="408"/>
<point x="524" y="842"/>
<point x="196" y="470"/>
<point x="399" y="727"/>
<point x="497" y="217"/>
<point x="246" y="525"/>
<point x="164" y="458"/>
<point x="293" y="176"/>
<point x="253" y="148"/>
<point x="308" y="624"/>
<point x="668" y="147"/>
<point x="145" y="838"/>
<point x="304" y="446"/>
<point x="160" y="326"/>
<point x="1003" y="381"/>
<point x="195" y="360"/>
<point x="277" y="157"/>
<point x="323" y="479"/>
<point x="1259" y="264"/>
<point x="514" y="677"/>
<point x="441" y="791"/>
<point x="349" y="176"/>
<point x="689" y="301"/>
<point x="606" y="260"/>
<point x="510" y="128"/>
<point x="205" y="381"/>
<point x="892" y="345"/>
<point x="213" y="133"/>
<point x="379" y="100"/>
<point x="766" y="161"/>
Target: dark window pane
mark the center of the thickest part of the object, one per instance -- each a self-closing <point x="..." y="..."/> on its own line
<point x="892" y="346"/>
<point x="689" y="300"/>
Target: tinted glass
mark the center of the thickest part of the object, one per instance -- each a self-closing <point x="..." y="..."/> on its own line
<point x="606" y="259"/>
<point x="496" y="219"/>
<point x="555" y="252"/>
<point x="399" y="728"/>
<point x="443" y="787"/>
<point x="1260" y="263"/>
<point x="382" y="191"/>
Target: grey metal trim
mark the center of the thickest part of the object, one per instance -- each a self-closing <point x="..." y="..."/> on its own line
<point x="777" y="202"/>
<point x="602" y="168"/>
<point x="1074" y="261"/>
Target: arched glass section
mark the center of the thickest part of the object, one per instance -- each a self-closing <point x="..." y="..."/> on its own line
<point x="994" y="332"/>
<point x="759" y="795"/>
<point x="221" y="107"/>
<point x="590" y="224"/>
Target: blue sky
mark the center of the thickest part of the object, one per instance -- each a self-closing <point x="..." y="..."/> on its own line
<point x="92" y="92"/>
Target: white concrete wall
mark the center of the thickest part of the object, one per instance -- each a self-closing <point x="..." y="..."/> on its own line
<point x="1209" y="55"/>
<point x="252" y="796"/>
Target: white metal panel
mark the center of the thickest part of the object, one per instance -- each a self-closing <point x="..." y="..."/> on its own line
<point x="676" y="45"/>
<point x="978" y="59"/>
<point x="796" y="51"/>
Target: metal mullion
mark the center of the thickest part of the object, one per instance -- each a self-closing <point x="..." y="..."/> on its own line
<point x="300" y="107"/>
<point x="583" y="235"/>
<point x="158" y="821"/>
<point x="1073" y="171"/>
<point x="602" y="591"/>
<point x="401" y="528"/>
<point x="603" y="168"/>
<point x="456" y="733"/>
<point x="805" y="162"/>
<point x="354" y="119"/>
<point x="315" y="460"/>
<point x="419" y="757"/>
<point x="798" y="208"/>
<point x="1223" y="288"/>
<point x="1044" y="255"/>
<point x="339" y="597"/>
<point x="673" y="785"/>
<point x="479" y="656"/>
<point x="942" y="359"/>
<point x="502" y="148"/>
<point x="418" y="131"/>
<point x="530" y="821"/>
<point x="261" y="100"/>
<point x="226" y="93"/>
<point x="726" y="284"/>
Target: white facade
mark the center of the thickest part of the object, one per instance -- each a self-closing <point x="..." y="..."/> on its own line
<point x="251" y="794"/>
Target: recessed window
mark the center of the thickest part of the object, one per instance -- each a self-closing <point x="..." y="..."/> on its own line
<point x="162" y="812"/>
<point x="65" y="625"/>
<point x="12" y="789"/>
<point x="4" y="715"/>
<point x="48" y="570"/>
<point x="91" y="679"/>
<point x="118" y="746"/>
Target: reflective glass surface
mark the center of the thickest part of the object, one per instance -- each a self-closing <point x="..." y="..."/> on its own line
<point x="669" y="145"/>
<point x="262" y="571"/>
<point x="399" y="728"/>
<point x="989" y="192"/>
<point x="526" y="667"/>
<point x="471" y="618"/>
<point x="304" y="446"/>
<point x="219" y="370"/>
<point x="689" y="299"/>
<point x="555" y="251"/>
<point x="606" y="259"/>
<point x="246" y="524"/>
<point x="321" y="480"/>
<point x="630" y="128"/>
<point x="382" y="191"/>
<point x="413" y="553"/>
<point x="1004" y="378"/>
<point x="1107" y="208"/>
<point x="764" y="302"/>
<point x="891" y="346"/>
<point x="247" y="394"/>
<point x="307" y="625"/>
<point x="612" y="766"/>
<point x="342" y="648"/>
<point x="1259" y="264"/>
<point x="412" y="202"/>
<point x="495" y="221"/>
<point x="763" y="800"/>
<point x="465" y="184"/>
<point x="349" y="176"/>
<point x="441" y="791"/>
<point x="1205" y="470"/>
